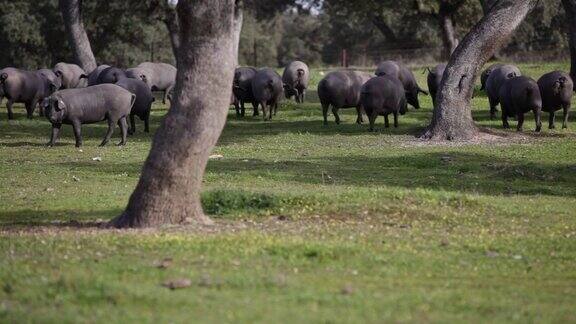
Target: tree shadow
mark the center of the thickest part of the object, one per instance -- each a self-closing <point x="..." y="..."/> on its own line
<point x="453" y="171"/>
<point x="57" y="218"/>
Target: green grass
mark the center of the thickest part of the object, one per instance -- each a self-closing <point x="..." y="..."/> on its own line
<point x="314" y="224"/>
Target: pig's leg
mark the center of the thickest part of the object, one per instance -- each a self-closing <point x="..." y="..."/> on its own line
<point x="386" y="121"/>
<point x="359" y="115"/>
<point x="255" y="106"/>
<point x="147" y="122"/>
<point x="9" y="104"/>
<point x="566" y="108"/>
<point x="166" y="95"/>
<point x="493" y="109"/>
<point x="263" y="103"/>
<point x="29" y="110"/>
<point x="132" y="128"/>
<point x="505" y="120"/>
<point x="325" y="113"/>
<point x="395" y="119"/>
<point x="372" y="119"/>
<point x="335" y="112"/>
<point x="520" y="122"/>
<point x="538" y="118"/>
<point x="109" y="132"/>
<point x="123" y="129"/>
<point x="551" y="120"/>
<point x="55" y="134"/>
<point x="77" y="127"/>
<point x="275" y="109"/>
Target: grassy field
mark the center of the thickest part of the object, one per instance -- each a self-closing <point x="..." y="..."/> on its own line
<point x="313" y="224"/>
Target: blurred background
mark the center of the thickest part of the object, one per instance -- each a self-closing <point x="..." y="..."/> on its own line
<point x="322" y="33"/>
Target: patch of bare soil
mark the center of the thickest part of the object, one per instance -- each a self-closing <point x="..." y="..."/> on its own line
<point x="488" y="136"/>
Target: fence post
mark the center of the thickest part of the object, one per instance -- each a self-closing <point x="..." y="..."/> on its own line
<point x="344" y="58"/>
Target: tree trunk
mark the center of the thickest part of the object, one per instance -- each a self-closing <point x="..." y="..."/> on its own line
<point x="238" y="20"/>
<point x="486" y="6"/>
<point x="449" y="39"/>
<point x="383" y="27"/>
<point x="452" y="117"/>
<point x="169" y="189"/>
<point x="72" y="13"/>
<point x="171" y="22"/>
<point x="570" y="8"/>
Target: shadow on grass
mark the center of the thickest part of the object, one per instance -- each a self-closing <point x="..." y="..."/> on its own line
<point x="57" y="218"/>
<point x="456" y="172"/>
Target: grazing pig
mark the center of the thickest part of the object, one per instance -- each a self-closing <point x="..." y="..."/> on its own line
<point x="28" y="87"/>
<point x="495" y="81"/>
<point x="72" y="75"/>
<point x="143" y="103"/>
<point x="110" y="74"/>
<point x="434" y="79"/>
<point x="556" y="90"/>
<point x="295" y="78"/>
<point x="92" y="77"/>
<point x="405" y="76"/>
<point x="383" y="95"/>
<point x="158" y="76"/>
<point x="486" y="73"/>
<point x="89" y="105"/>
<point x="242" y="89"/>
<point x="341" y="89"/>
<point x="267" y="90"/>
<point x="517" y="96"/>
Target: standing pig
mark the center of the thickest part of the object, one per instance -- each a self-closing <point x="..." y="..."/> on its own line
<point x="486" y="73"/>
<point x="28" y="87"/>
<point x="267" y="90"/>
<point x="110" y="74"/>
<point x="158" y="76"/>
<point x="495" y="80"/>
<point x="517" y="96"/>
<point x="341" y="89"/>
<point x="383" y="95"/>
<point x="395" y="69"/>
<point x="143" y="103"/>
<point x="434" y="79"/>
<point x="73" y="76"/>
<point x="92" y="77"/>
<point x="89" y="105"/>
<point x="295" y="78"/>
<point x="556" y="89"/>
<point x="242" y="89"/>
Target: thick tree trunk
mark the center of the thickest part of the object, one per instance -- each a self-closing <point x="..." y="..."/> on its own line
<point x="169" y="189"/>
<point x="486" y="6"/>
<point x="72" y="13"/>
<point x="570" y="8"/>
<point x="452" y="117"/>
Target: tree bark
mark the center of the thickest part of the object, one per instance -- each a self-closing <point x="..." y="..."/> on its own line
<point x="171" y="22"/>
<point x="72" y="13"/>
<point x="448" y="34"/>
<point x="570" y="8"/>
<point x="169" y="189"/>
<point x="452" y="116"/>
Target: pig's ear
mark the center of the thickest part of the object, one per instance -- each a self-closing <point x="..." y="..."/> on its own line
<point x="60" y="105"/>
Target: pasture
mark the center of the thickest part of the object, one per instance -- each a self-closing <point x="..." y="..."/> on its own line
<point x="314" y="224"/>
